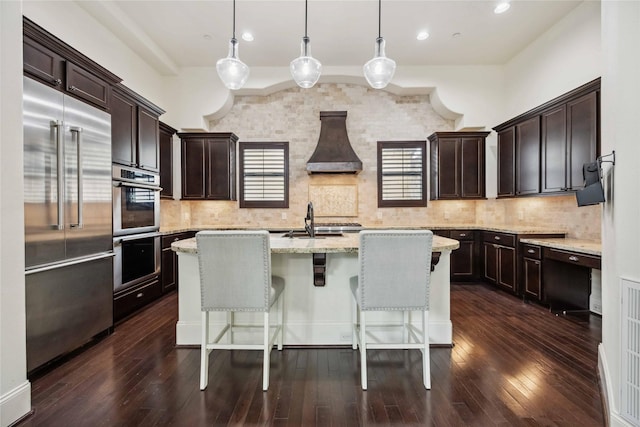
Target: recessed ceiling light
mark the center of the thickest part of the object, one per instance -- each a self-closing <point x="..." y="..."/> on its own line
<point x="456" y="35"/>
<point x="502" y="7"/>
<point x="422" y="35"/>
<point x="207" y="36"/>
<point x="247" y="36"/>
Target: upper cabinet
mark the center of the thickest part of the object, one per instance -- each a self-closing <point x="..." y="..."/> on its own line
<point x="457" y="165"/>
<point x="134" y="130"/>
<point x="54" y="63"/>
<point x="166" y="160"/>
<point x="543" y="150"/>
<point x="208" y="166"/>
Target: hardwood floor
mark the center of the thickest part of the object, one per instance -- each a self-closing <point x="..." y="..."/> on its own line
<point x="513" y="364"/>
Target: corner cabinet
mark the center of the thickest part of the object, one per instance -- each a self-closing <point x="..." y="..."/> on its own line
<point x="543" y="150"/>
<point x="169" y="269"/>
<point x="166" y="160"/>
<point x="134" y="130"/>
<point x="56" y="64"/>
<point x="208" y="166"/>
<point x="457" y="165"/>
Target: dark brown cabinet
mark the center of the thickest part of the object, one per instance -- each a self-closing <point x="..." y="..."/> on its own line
<point x="54" y="63"/>
<point x="169" y="270"/>
<point x="457" y="165"/>
<point x="166" y="160"/>
<point x="134" y="130"/>
<point x="464" y="261"/>
<point x="507" y="162"/>
<point x="528" y="157"/>
<point x="208" y="166"/>
<point x="549" y="144"/>
<point x="569" y="139"/>
<point x="532" y="271"/>
<point x="500" y="260"/>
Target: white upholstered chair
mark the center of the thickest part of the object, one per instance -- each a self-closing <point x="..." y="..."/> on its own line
<point x="235" y="276"/>
<point x="393" y="275"/>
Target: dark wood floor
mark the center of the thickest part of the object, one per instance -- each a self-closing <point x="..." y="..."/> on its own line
<point x="513" y="364"/>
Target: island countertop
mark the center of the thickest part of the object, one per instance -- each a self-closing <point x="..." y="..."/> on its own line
<point x="346" y="243"/>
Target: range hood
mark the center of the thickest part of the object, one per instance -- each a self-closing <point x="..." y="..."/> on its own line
<point x="334" y="154"/>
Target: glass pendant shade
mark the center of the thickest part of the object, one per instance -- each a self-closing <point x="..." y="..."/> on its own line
<point x="379" y="70"/>
<point x="305" y="69"/>
<point x="233" y="72"/>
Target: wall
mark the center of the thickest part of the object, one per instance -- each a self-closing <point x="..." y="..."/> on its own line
<point x="621" y="229"/>
<point x="566" y="56"/>
<point x="15" y="390"/>
<point x="72" y="24"/>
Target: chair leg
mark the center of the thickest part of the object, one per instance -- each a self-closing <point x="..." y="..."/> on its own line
<point x="426" y="358"/>
<point x="354" y="323"/>
<point x="267" y="352"/>
<point x="363" y="351"/>
<point x="204" y="353"/>
<point x="405" y="326"/>
<point x="281" y="320"/>
<point x="230" y="322"/>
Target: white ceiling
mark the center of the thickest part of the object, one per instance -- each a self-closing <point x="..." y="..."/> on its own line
<point x="173" y="34"/>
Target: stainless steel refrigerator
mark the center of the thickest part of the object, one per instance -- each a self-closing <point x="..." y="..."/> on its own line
<point x="68" y="222"/>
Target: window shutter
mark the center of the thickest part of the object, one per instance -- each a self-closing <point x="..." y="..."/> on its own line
<point x="401" y="173"/>
<point x="264" y="175"/>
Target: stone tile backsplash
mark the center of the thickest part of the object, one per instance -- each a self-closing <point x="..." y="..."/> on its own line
<point x="293" y="115"/>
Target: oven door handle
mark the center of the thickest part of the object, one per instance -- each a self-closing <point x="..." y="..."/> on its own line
<point x="129" y="184"/>
<point x="137" y="237"/>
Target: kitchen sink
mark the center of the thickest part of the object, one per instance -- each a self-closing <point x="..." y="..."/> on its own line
<point x="305" y="235"/>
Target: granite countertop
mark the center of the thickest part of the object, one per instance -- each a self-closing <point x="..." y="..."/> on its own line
<point x="513" y="229"/>
<point x="590" y="247"/>
<point x="347" y="243"/>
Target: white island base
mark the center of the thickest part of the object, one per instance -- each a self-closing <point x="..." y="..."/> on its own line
<point x="314" y="316"/>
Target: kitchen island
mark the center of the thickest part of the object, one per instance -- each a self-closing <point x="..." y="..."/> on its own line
<point x="314" y="315"/>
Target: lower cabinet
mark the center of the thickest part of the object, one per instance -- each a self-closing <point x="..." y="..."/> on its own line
<point x="500" y="260"/>
<point x="129" y="301"/>
<point x="169" y="269"/>
<point x="531" y="265"/>
<point x="464" y="260"/>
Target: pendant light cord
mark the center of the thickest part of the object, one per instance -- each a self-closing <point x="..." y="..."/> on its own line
<point x="305" y="18"/>
<point x="379" y="18"/>
<point x="234" y="19"/>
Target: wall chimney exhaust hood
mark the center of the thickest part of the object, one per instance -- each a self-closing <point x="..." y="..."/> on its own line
<point x="334" y="154"/>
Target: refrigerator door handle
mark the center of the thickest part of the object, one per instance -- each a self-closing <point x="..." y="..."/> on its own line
<point x="57" y="128"/>
<point x="77" y="131"/>
<point x="69" y="263"/>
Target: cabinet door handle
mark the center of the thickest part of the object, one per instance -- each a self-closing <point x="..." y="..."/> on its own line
<point x="73" y="88"/>
<point x="56" y="82"/>
<point x="531" y="251"/>
<point x="140" y="295"/>
<point x="574" y="258"/>
<point x="463" y="234"/>
<point x="497" y="237"/>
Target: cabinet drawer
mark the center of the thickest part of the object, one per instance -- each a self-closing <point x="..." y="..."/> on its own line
<point x="531" y="251"/>
<point x="500" y="238"/>
<point x="130" y="300"/>
<point x="462" y="234"/>
<point x="575" y="258"/>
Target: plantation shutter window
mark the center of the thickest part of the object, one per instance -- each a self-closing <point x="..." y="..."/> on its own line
<point x="264" y="174"/>
<point x="402" y="173"/>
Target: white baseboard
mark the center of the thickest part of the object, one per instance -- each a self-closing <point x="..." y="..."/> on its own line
<point x="611" y="412"/>
<point x="15" y="404"/>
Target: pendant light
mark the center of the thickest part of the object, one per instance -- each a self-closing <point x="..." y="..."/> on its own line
<point x="379" y="70"/>
<point x="233" y="72"/>
<point x="305" y="69"/>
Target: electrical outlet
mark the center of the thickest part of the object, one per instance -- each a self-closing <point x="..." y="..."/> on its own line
<point x="283" y="215"/>
<point x="446" y="214"/>
<point x="521" y="215"/>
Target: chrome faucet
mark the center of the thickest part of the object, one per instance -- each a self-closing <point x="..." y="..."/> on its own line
<point x="310" y="226"/>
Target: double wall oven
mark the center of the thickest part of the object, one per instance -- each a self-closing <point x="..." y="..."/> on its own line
<point x="136" y="237"/>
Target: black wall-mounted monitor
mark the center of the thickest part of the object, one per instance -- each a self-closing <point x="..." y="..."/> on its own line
<point x="592" y="193"/>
